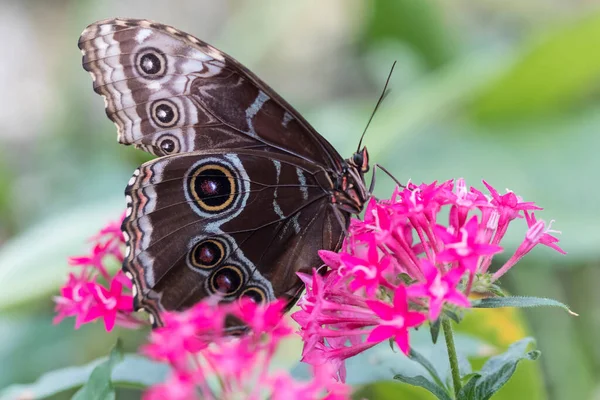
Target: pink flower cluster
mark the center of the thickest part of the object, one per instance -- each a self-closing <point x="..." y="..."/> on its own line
<point x="91" y="292"/>
<point x="210" y="364"/>
<point x="401" y="266"/>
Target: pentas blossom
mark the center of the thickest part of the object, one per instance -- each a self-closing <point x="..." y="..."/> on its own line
<point x="91" y="291"/>
<point x="208" y="363"/>
<point x="412" y="257"/>
<point x="395" y="319"/>
<point x="439" y="288"/>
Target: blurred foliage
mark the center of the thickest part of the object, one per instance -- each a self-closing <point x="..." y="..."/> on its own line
<point x="557" y="73"/>
<point x="502" y="91"/>
<point x="418" y="24"/>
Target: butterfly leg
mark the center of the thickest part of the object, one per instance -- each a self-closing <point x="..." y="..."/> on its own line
<point x="339" y="217"/>
<point x="372" y="186"/>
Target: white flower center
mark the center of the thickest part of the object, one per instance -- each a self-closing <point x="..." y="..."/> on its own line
<point x="462" y="248"/>
<point x="397" y="322"/>
<point x="438" y="288"/>
<point x="108" y="303"/>
<point x="369" y="271"/>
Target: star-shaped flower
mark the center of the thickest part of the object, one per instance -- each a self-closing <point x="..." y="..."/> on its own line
<point x="439" y="288"/>
<point x="463" y="247"/>
<point x="395" y="321"/>
<point x="108" y="302"/>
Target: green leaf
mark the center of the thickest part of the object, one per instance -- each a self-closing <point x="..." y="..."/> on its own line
<point x="133" y="372"/>
<point x="416" y="356"/>
<point x="51" y="382"/>
<point x="464" y="366"/>
<point x="497" y="371"/>
<point x="421" y="381"/>
<point x="519" y="302"/>
<point x="467" y="392"/>
<point x="496" y="290"/>
<point x="434" y="328"/>
<point x="539" y="82"/>
<point x="389" y="390"/>
<point x="452" y="315"/>
<point x="100" y="386"/>
<point x="139" y="372"/>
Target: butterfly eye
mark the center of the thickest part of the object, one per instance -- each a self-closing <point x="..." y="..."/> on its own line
<point x="255" y="294"/>
<point x="357" y="159"/>
<point x="164" y="113"/>
<point x="168" y="144"/>
<point x="207" y="254"/>
<point x="227" y="280"/>
<point x="151" y="63"/>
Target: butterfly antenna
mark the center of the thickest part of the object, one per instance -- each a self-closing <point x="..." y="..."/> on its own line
<point x="384" y="93"/>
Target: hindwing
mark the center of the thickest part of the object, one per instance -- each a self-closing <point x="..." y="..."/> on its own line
<point x="232" y="223"/>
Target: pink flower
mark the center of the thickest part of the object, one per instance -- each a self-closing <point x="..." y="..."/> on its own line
<point x="263" y="318"/>
<point x="95" y="259"/>
<point x="186" y="332"/>
<point x="196" y="345"/>
<point x="366" y="271"/>
<point x="86" y="297"/>
<point x="75" y="300"/>
<point x="536" y="234"/>
<point x="439" y="289"/>
<point x="234" y="358"/>
<point x="322" y="387"/>
<point x="108" y="302"/>
<point x="180" y="386"/>
<point x="403" y="251"/>
<point x="334" y="321"/>
<point x="509" y="205"/>
<point x="463" y="247"/>
<point x="395" y="320"/>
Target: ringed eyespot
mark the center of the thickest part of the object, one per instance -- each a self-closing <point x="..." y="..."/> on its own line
<point x="255" y="294"/>
<point x="226" y="280"/>
<point x="213" y="187"/>
<point x="207" y="253"/>
<point x="151" y="63"/>
<point x="168" y="144"/>
<point x="164" y="113"/>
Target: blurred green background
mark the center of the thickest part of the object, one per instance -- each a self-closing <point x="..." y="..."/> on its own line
<point x="506" y="91"/>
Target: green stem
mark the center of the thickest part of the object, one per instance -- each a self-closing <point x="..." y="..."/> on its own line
<point x="449" y="336"/>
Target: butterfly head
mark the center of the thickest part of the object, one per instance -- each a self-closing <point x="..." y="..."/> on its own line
<point x="350" y="192"/>
<point x="360" y="161"/>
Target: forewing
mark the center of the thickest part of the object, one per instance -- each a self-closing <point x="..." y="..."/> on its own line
<point x="169" y="92"/>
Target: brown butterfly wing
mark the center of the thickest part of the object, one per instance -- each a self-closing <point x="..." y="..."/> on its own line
<point x="241" y="223"/>
<point x="168" y="92"/>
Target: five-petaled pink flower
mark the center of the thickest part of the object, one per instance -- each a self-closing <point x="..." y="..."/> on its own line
<point x="463" y="246"/>
<point x="93" y="292"/>
<point x="439" y="288"/>
<point x="74" y="300"/>
<point x="108" y="302"/>
<point x="536" y="234"/>
<point x="366" y="271"/>
<point x="396" y="319"/>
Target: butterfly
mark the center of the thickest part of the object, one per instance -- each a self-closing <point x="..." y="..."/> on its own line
<point x="243" y="193"/>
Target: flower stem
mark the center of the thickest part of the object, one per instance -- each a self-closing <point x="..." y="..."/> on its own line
<point x="449" y="336"/>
